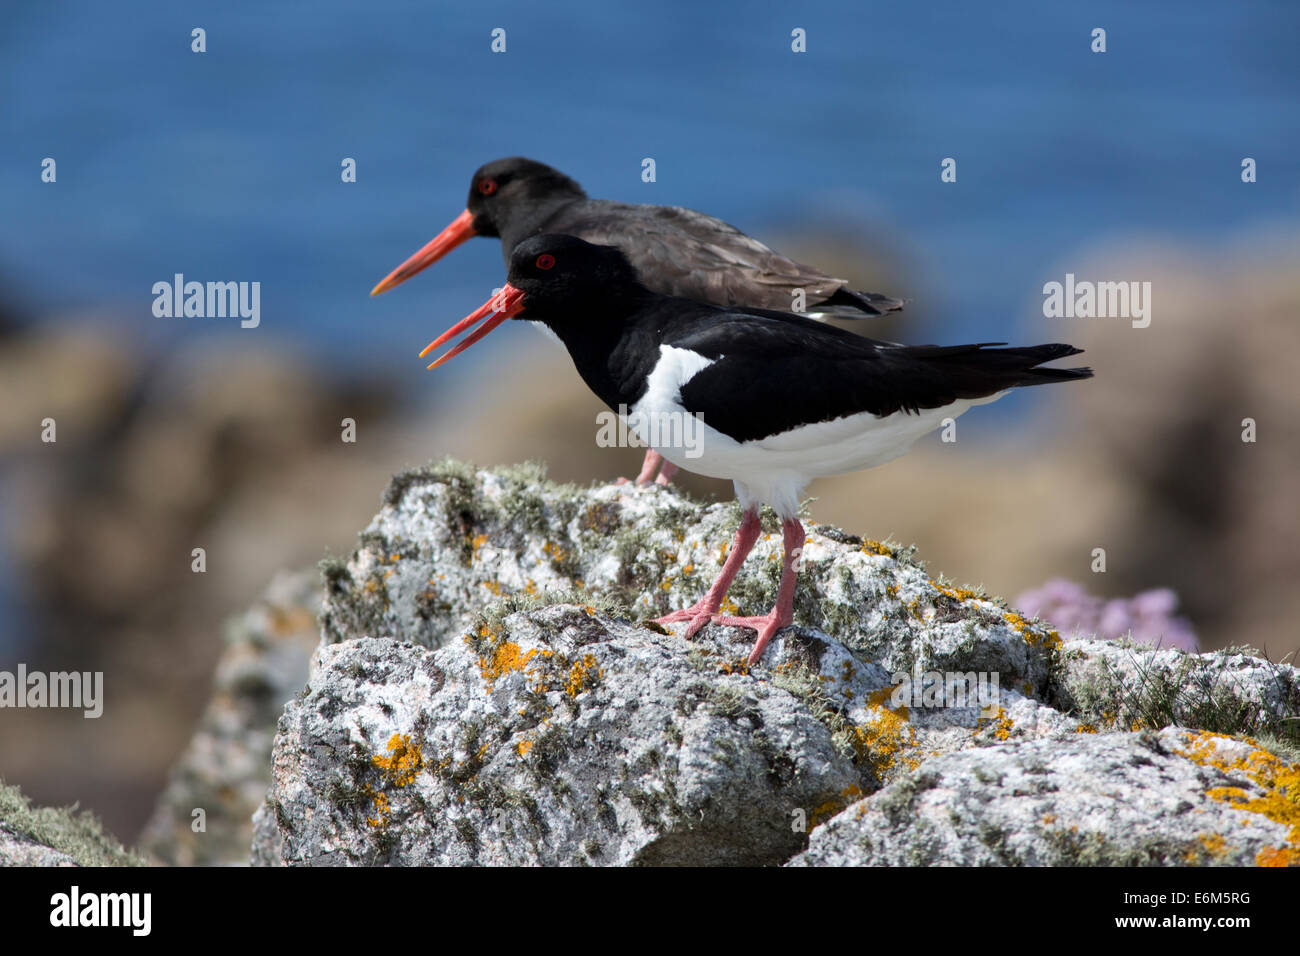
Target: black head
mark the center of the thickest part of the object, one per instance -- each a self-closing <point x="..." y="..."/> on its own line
<point x="565" y="277"/>
<point x="502" y="187"/>
<point x="559" y="280"/>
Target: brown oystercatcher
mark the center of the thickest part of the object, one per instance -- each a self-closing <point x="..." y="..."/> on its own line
<point x="674" y="251"/>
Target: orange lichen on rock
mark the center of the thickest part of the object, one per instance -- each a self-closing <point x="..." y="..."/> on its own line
<point x="584" y="674"/>
<point x="831" y="807"/>
<point x="399" y="768"/>
<point x="1034" y="636"/>
<point x="1279" y="780"/>
<point x="882" y="741"/>
<point x="382" y="807"/>
<point x="1002" y="725"/>
<point x="507" y="658"/>
<point x="402" y="762"/>
<point x="957" y="594"/>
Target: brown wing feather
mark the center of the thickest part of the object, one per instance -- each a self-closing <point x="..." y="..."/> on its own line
<point x="701" y="257"/>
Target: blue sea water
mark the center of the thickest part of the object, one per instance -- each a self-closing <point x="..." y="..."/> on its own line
<point x="225" y="165"/>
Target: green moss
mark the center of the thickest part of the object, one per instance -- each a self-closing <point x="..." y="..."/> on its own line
<point x="70" y="831"/>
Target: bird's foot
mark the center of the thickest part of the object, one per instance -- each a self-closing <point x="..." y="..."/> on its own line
<point x="767" y="626"/>
<point x="698" y="614"/>
<point x="653" y="463"/>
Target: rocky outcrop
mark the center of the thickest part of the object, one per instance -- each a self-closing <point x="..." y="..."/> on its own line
<point x="1171" y="798"/>
<point x="204" y="816"/>
<point x="490" y="689"/>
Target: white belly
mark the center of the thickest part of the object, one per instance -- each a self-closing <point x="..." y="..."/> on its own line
<point x="773" y="470"/>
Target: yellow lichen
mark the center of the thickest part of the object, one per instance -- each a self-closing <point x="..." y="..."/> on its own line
<point x="883" y="739"/>
<point x="1277" y="856"/>
<point x="1214" y="843"/>
<point x="1279" y="780"/>
<point x="382" y="807"/>
<point x="831" y="807"/>
<point x="506" y="659"/>
<point x="1034" y="636"/>
<point x="583" y="675"/>
<point x="957" y="594"/>
<point x="399" y="768"/>
<point x="402" y="762"/>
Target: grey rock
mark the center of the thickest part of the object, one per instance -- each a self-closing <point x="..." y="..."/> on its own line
<point x="557" y="736"/>
<point x="1118" y="683"/>
<point x="1175" y="797"/>
<point x="226" y="768"/>
<point x="488" y="689"/>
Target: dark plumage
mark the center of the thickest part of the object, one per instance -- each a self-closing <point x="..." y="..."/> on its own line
<point x="768" y="400"/>
<point x="674" y="251"/>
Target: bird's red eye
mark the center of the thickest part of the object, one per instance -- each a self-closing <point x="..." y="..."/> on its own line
<point x="487" y="186"/>
<point x="545" y="260"/>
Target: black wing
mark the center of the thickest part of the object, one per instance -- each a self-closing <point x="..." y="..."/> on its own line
<point x="774" y="374"/>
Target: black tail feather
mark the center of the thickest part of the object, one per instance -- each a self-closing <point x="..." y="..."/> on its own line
<point x="982" y="369"/>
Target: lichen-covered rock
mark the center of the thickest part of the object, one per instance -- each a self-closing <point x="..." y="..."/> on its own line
<point x="44" y="836"/>
<point x="490" y="689"/>
<point x="225" y="770"/>
<point x="554" y="736"/>
<point x="1170" y="798"/>
<point x="1121" y="684"/>
<point x="451" y="540"/>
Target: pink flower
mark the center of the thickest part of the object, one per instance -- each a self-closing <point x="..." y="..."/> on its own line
<point x="1147" y="618"/>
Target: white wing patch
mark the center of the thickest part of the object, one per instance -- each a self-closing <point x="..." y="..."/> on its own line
<point x="674" y="369"/>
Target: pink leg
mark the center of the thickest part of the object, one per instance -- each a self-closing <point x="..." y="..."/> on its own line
<point x="648" y="468"/>
<point x="782" y="614"/>
<point x="703" y="610"/>
<point x="666" y="473"/>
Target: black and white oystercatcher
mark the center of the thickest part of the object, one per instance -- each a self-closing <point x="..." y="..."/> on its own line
<point x="674" y="251"/>
<point x="782" y="399"/>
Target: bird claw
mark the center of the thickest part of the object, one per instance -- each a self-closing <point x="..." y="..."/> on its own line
<point x="767" y="627"/>
<point x="697" y="614"/>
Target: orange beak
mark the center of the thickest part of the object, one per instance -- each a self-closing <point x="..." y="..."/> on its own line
<point x="461" y="228"/>
<point x="506" y="304"/>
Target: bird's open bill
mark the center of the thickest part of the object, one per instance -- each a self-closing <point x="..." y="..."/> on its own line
<point x="461" y="228"/>
<point x="506" y="304"/>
